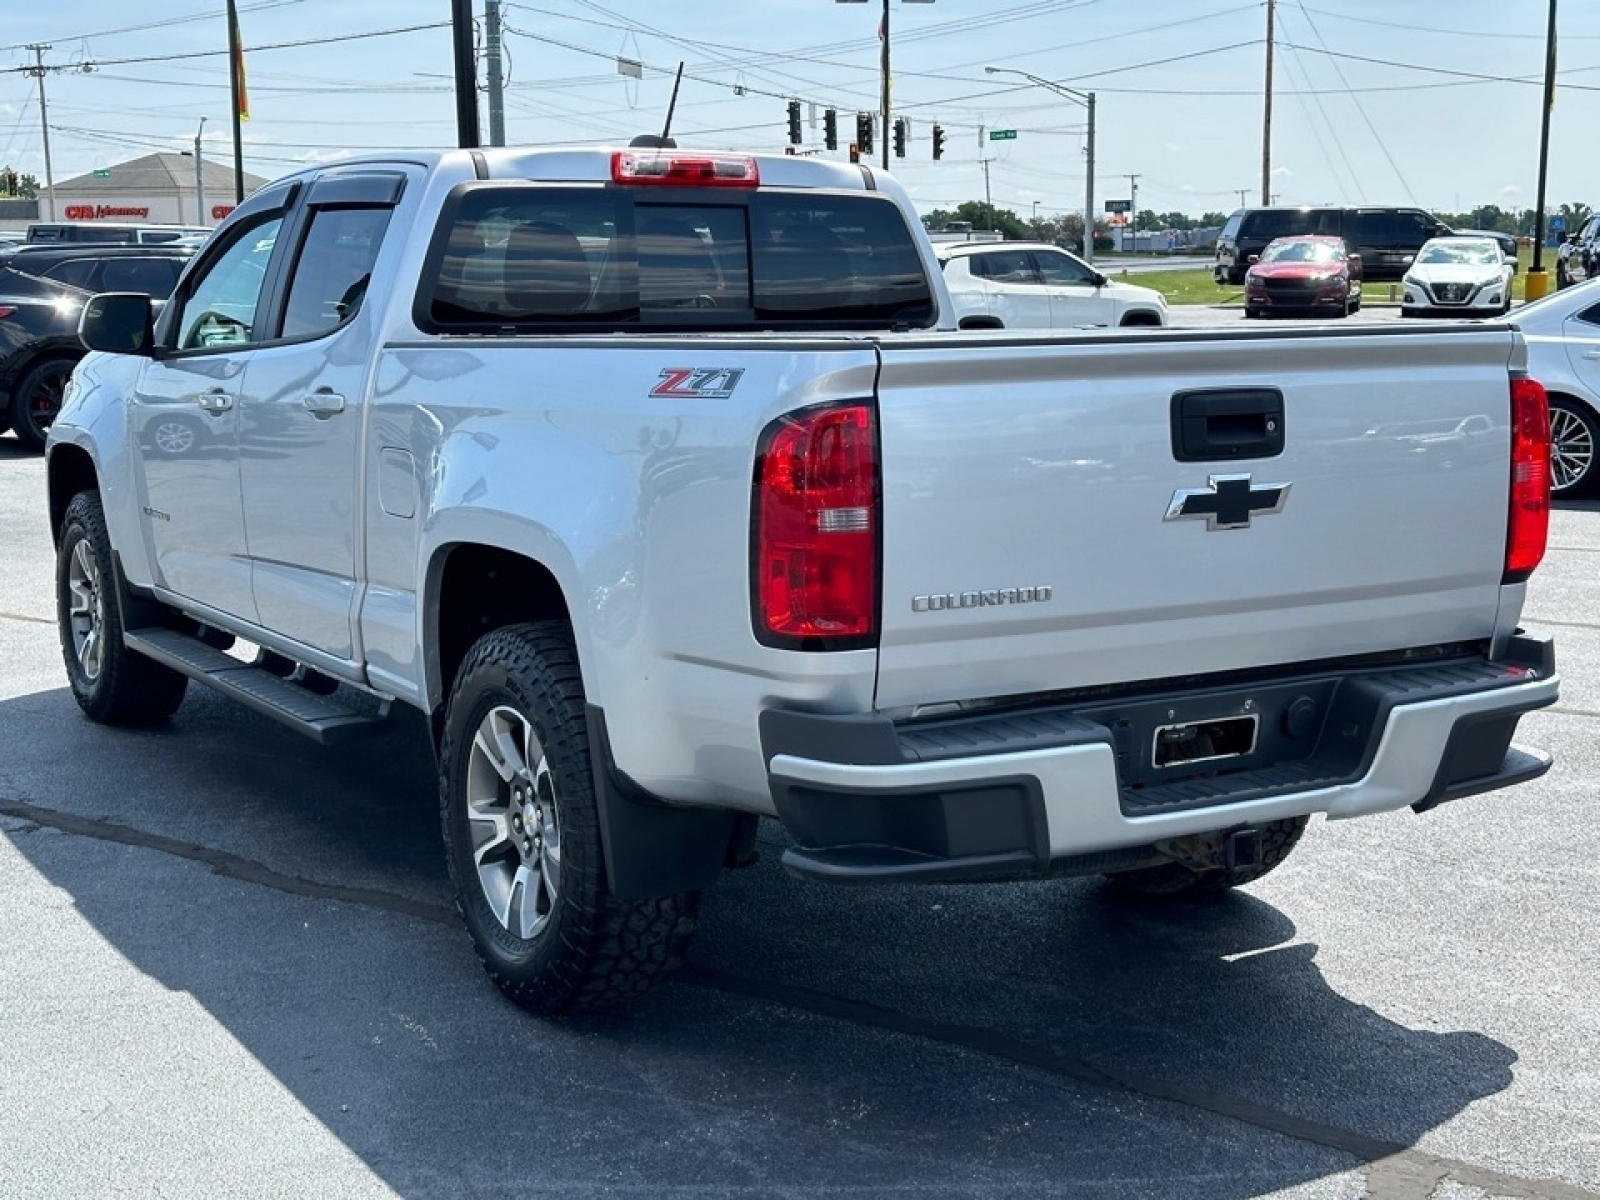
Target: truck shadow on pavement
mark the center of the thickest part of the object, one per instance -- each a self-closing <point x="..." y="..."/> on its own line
<point x="1044" y="1038"/>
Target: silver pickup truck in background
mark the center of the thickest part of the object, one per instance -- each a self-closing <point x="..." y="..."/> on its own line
<point x="664" y="484"/>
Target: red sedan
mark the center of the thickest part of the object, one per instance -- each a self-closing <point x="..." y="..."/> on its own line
<point x="1303" y="275"/>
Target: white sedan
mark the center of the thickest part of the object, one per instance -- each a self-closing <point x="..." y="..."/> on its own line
<point x="1563" y="335"/>
<point x="1034" y="285"/>
<point x="1455" y="276"/>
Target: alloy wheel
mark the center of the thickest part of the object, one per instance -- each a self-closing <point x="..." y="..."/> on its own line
<point x="515" y="828"/>
<point x="1571" y="449"/>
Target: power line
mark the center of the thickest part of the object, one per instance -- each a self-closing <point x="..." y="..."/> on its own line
<point x="322" y="41"/>
<point x="165" y="24"/>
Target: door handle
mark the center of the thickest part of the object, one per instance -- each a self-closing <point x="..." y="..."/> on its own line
<point x="322" y="402"/>
<point x="215" y="401"/>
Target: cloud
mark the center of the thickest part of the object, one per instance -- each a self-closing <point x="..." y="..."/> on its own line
<point x="1511" y="189"/>
<point x="1281" y="171"/>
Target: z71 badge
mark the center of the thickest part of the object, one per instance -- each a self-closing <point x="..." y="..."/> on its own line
<point x="698" y="383"/>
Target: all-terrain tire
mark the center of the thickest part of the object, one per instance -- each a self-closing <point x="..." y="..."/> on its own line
<point x="111" y="683"/>
<point x="515" y="781"/>
<point x="1278" y="838"/>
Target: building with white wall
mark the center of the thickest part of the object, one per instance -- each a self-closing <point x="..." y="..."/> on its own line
<point x="161" y="189"/>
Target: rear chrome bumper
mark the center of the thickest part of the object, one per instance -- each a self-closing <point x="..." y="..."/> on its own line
<point x="1013" y="792"/>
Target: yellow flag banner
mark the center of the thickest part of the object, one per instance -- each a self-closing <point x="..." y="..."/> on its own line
<point x="238" y="74"/>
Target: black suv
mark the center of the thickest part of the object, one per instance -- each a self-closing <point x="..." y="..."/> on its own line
<point x="1387" y="239"/>
<point x="41" y="293"/>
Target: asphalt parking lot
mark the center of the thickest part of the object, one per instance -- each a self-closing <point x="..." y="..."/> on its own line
<point x="228" y="967"/>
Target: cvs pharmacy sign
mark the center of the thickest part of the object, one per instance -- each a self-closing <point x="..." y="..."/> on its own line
<point x="103" y="212"/>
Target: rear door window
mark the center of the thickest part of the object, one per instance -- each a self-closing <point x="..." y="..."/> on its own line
<point x="79" y="273"/>
<point x="333" y="269"/>
<point x="155" y="277"/>
<point x="1005" y="266"/>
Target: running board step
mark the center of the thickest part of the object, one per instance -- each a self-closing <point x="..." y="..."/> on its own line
<point x="321" y="718"/>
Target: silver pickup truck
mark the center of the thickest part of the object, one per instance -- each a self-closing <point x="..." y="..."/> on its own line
<point x="665" y="485"/>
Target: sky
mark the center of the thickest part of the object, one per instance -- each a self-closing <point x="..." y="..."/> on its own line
<point x="1436" y="103"/>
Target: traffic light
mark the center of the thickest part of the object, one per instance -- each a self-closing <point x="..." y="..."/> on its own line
<point x="899" y="137"/>
<point x="855" y="153"/>
<point x="830" y="129"/>
<point x="938" y="143"/>
<point x="864" y="133"/>
<point x="794" y="123"/>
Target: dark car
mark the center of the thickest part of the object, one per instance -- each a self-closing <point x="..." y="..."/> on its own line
<point x="1582" y="261"/>
<point x="153" y="270"/>
<point x="41" y="294"/>
<point x="1311" y="275"/>
<point x="1386" y="238"/>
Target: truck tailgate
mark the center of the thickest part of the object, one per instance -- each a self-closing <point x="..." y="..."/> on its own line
<point x="1040" y="532"/>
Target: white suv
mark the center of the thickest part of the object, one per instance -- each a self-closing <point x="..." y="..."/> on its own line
<point x="1033" y="285"/>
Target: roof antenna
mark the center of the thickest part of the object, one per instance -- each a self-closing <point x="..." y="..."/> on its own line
<point x="663" y="140"/>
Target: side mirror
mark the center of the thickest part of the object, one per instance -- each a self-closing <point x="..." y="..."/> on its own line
<point x="1099" y="280"/>
<point x="1254" y="258"/>
<point x="119" y="323"/>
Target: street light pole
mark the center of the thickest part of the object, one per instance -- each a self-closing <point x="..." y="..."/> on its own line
<point x="1087" y="100"/>
<point x="199" y="177"/>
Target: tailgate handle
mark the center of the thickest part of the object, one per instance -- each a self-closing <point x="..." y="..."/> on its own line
<point x="1227" y="423"/>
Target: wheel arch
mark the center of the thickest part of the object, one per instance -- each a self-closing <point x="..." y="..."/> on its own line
<point x="28" y="357"/>
<point x="70" y="470"/>
<point x="1140" y="316"/>
<point x="473" y="588"/>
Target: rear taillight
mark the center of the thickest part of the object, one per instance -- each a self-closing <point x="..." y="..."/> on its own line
<point x="1528" y="523"/>
<point x="5" y="311"/>
<point x="815" y="561"/>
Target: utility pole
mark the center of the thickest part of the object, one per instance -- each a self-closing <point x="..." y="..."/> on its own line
<point x="1133" y="209"/>
<point x="466" y="74"/>
<point x="1266" y="120"/>
<point x="38" y="71"/>
<point x="884" y="34"/>
<point x="988" y="203"/>
<point x="1241" y="192"/>
<point x="199" y="177"/>
<point x="495" y="71"/>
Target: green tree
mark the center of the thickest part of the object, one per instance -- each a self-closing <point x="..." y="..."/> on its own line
<point x="987" y="216"/>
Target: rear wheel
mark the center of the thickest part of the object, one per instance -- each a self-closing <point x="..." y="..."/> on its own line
<point x="110" y="682"/>
<point x="37" y="400"/>
<point x="1278" y="838"/>
<point x="1251" y="312"/>
<point x="522" y="835"/>
<point x="1574" y="435"/>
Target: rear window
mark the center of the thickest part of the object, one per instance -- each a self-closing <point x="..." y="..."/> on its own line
<point x="522" y="258"/>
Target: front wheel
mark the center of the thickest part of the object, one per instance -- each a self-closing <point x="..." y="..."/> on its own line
<point x="1574" y="434"/>
<point x="522" y="835"/>
<point x="1171" y="879"/>
<point x="37" y="400"/>
<point x="111" y="683"/>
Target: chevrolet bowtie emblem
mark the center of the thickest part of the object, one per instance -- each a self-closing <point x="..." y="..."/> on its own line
<point x="1228" y="502"/>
